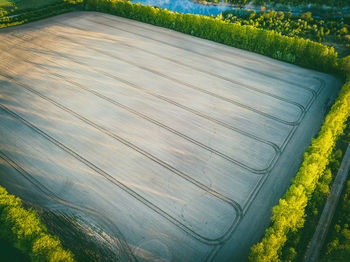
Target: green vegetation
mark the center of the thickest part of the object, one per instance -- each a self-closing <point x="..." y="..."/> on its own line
<point x="9" y="253"/>
<point x="233" y="2"/>
<point x="302" y="52"/>
<point x="332" y="3"/>
<point x="17" y="15"/>
<point x="295" y="50"/>
<point x="337" y="3"/>
<point x="337" y="246"/>
<point x="23" y="229"/>
<point x="298" y="241"/>
<point x="86" y="247"/>
<point x="330" y="30"/>
<point x="289" y="215"/>
<point x="25" y="4"/>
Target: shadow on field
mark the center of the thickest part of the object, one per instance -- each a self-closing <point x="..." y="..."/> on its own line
<point x="82" y="241"/>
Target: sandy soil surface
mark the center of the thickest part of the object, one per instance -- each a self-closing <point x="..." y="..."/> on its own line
<point x="172" y="147"/>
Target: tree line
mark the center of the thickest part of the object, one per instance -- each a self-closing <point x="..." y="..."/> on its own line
<point x="297" y="242"/>
<point x="24" y="230"/>
<point x="18" y="16"/>
<point x="296" y="50"/>
<point x="303" y="25"/>
<point x="337" y="246"/>
<point x="289" y="215"/>
<point x="336" y="3"/>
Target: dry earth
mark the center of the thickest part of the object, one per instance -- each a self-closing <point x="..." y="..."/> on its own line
<point x="172" y="147"/>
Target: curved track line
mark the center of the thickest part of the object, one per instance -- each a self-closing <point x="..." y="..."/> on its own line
<point x="240" y="84"/>
<point x="322" y="84"/>
<point x="205" y="55"/>
<point x="263" y="179"/>
<point x="288" y="138"/>
<point x="115" y="181"/>
<point x="237" y="162"/>
<point x="192" y="86"/>
<point x="139" y="114"/>
<point x="292" y="123"/>
<point x="124" y="247"/>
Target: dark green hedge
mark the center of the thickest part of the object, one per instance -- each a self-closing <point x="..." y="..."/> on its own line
<point x="295" y="50"/>
<point x="337" y="246"/>
<point x="297" y="242"/>
<point x="331" y="3"/>
<point x="18" y="17"/>
<point x="289" y="214"/>
<point x="24" y="230"/>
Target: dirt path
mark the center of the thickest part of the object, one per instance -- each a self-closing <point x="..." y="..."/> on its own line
<point x="320" y="234"/>
<point x="175" y="147"/>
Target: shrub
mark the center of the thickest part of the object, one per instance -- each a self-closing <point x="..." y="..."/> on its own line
<point x="24" y="230"/>
<point x="296" y="50"/>
<point x="289" y="214"/>
<point x="20" y="16"/>
<point x="337" y="247"/>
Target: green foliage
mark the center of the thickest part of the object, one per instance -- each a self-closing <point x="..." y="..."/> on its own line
<point x="24" y="230"/>
<point x="344" y="66"/>
<point x="337" y="247"/>
<point x="337" y="3"/>
<point x="10" y="253"/>
<point x="304" y="25"/>
<point x="234" y="2"/>
<point x="289" y="215"/>
<point x="18" y="16"/>
<point x="296" y="50"/>
<point x="285" y="2"/>
<point x="297" y="241"/>
<point x="25" y="4"/>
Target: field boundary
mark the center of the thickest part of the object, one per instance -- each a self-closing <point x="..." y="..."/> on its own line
<point x="51" y="195"/>
<point x="320" y="234"/>
<point x="26" y="232"/>
<point x="235" y="206"/>
<point x="289" y="214"/>
<point x="308" y="54"/>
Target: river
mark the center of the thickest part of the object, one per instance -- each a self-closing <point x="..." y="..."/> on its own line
<point x="189" y="7"/>
<point x="185" y="6"/>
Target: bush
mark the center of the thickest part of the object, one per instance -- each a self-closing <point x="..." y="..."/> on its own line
<point x="337" y="3"/>
<point x="18" y="17"/>
<point x="296" y="50"/>
<point x="288" y="215"/>
<point x="304" y="25"/>
<point x="24" y="230"/>
<point x="337" y="247"/>
<point x="297" y="242"/>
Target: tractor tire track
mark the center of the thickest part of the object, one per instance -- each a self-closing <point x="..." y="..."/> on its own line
<point x="237" y="162"/>
<point x="183" y="83"/>
<point x="199" y="53"/>
<point x="192" y="67"/>
<point x="120" y="240"/>
<point x="116" y="182"/>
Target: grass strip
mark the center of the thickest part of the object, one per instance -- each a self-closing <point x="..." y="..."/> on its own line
<point x="24" y="230"/>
